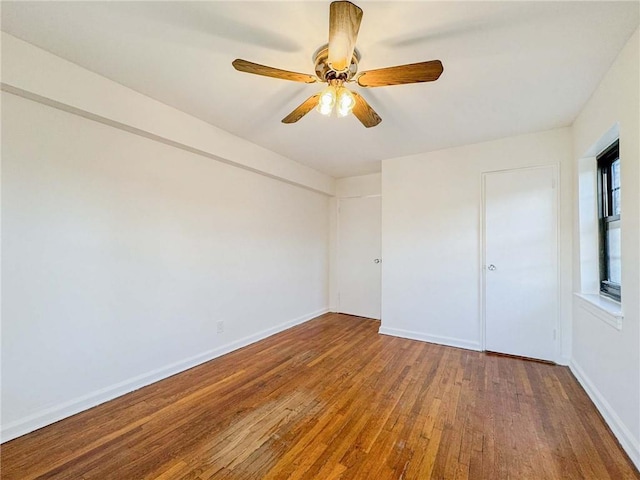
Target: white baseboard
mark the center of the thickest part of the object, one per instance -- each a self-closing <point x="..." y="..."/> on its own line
<point x="630" y="444"/>
<point x="448" y="341"/>
<point x="58" y="412"/>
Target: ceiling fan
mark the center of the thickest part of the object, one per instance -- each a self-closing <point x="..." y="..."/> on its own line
<point x="337" y="64"/>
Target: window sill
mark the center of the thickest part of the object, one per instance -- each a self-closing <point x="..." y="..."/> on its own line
<point x="606" y="310"/>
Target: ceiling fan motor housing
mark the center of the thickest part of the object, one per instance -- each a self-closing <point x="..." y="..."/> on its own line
<point x="324" y="70"/>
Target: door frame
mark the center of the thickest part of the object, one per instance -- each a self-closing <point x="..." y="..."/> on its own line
<point x="337" y="277"/>
<point x="557" y="347"/>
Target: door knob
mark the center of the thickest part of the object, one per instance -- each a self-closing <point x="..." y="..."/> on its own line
<point x="377" y="260"/>
<point x="491" y="267"/>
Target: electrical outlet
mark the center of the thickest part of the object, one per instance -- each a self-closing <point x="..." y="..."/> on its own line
<point x="220" y="326"/>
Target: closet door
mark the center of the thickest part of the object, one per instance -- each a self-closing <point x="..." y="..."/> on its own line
<point x="359" y="262"/>
<point x="520" y="262"/>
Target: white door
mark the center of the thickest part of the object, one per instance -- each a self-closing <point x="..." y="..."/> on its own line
<point x="359" y="262"/>
<point x="521" y="264"/>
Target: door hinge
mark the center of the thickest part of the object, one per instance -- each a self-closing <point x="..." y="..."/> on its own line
<point x="554" y="333"/>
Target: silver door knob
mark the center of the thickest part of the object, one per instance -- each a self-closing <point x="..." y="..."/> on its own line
<point x="491" y="267"/>
<point x="377" y="260"/>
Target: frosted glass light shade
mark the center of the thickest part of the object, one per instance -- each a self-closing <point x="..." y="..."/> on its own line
<point x="345" y="102"/>
<point x="327" y="100"/>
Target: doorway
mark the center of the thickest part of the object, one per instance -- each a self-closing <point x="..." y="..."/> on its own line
<point x="359" y="260"/>
<point x="520" y="262"/>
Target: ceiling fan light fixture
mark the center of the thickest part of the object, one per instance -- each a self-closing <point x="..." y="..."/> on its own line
<point x="336" y="97"/>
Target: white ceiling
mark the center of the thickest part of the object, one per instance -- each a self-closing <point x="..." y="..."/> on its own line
<point x="509" y="67"/>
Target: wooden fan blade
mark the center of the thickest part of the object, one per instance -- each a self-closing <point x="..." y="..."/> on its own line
<point x="344" y="23"/>
<point x="363" y="112"/>
<point x="402" y="74"/>
<point x="304" y="108"/>
<point x="257" y="69"/>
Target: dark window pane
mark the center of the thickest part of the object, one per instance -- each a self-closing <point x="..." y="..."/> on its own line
<point x="615" y="187"/>
<point x="613" y="253"/>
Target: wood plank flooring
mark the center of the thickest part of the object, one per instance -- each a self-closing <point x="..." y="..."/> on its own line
<point x="333" y="399"/>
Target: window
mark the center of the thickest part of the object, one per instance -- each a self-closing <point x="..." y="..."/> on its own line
<point x="609" y="220"/>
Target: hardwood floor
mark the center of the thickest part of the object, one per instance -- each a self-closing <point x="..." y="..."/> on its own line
<point x="333" y="399"/>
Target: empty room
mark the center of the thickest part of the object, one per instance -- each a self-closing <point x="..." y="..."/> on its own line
<point x="320" y="240"/>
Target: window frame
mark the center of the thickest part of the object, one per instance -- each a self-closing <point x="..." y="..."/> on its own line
<point x="606" y="217"/>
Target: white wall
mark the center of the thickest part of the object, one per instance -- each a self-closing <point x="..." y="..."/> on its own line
<point x="360" y="186"/>
<point x="121" y="253"/>
<point x="607" y="360"/>
<point x="431" y="236"/>
<point x="34" y="73"/>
